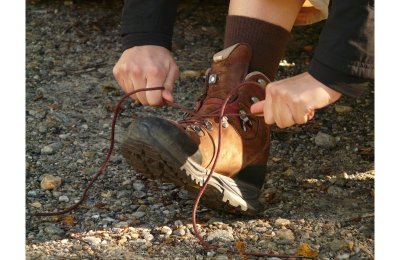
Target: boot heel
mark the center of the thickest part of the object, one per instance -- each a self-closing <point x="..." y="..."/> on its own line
<point x="253" y="175"/>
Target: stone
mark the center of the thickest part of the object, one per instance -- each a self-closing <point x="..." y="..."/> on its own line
<point x="179" y="232"/>
<point x="166" y="230"/>
<point x="139" y="194"/>
<point x="94" y="241"/>
<point x="221" y="257"/>
<point x="64" y="136"/>
<point x="282" y="222"/>
<point x="285" y="234"/>
<point x="77" y="247"/>
<point x="343" y="109"/>
<point x="53" y="230"/>
<point x="63" y="198"/>
<point x="335" y="191"/>
<point x="178" y="223"/>
<point x="139" y="214"/>
<point x="36" y="204"/>
<point x="324" y="140"/>
<point x="31" y="193"/>
<point x="190" y="74"/>
<point x="142" y="208"/>
<point x="122" y="224"/>
<point x="50" y="149"/>
<point x="337" y="245"/>
<point x="220" y="235"/>
<point x="343" y="256"/>
<point x="138" y="186"/>
<point x="123" y="193"/>
<point x="148" y="237"/>
<point x="122" y="240"/>
<point x="108" y="219"/>
<point x="50" y="182"/>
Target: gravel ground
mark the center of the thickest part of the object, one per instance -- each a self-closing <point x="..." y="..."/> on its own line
<point x="320" y="184"/>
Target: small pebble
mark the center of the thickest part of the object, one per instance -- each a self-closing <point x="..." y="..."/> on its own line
<point x="220" y="235"/>
<point x="50" y="149"/>
<point x="337" y="244"/>
<point x="342" y="109"/>
<point x="64" y="136"/>
<point x="285" y="234"/>
<point x="139" y="214"/>
<point x="92" y="240"/>
<point x="343" y="256"/>
<point x="77" y="247"/>
<point x="50" y="182"/>
<point x="63" y="198"/>
<point x="325" y="140"/>
<point x="148" y="237"/>
<point x="53" y="230"/>
<point x="139" y="194"/>
<point x="31" y="193"/>
<point x="122" y="224"/>
<point x="190" y="74"/>
<point x="36" y="204"/>
<point x="138" y="186"/>
<point x="166" y="230"/>
<point x="335" y="191"/>
<point x="179" y="232"/>
<point x="123" y="193"/>
<point x="178" y="223"/>
<point x="282" y="222"/>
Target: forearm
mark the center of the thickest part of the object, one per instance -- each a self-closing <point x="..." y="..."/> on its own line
<point x="148" y="22"/>
<point x="344" y="58"/>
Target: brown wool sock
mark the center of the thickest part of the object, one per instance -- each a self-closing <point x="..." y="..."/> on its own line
<point x="268" y="41"/>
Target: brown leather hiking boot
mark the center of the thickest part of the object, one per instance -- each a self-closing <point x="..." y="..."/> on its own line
<point x="183" y="152"/>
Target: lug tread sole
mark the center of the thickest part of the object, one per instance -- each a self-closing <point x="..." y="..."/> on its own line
<point x="153" y="164"/>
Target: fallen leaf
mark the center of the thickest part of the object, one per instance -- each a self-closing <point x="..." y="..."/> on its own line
<point x="69" y="220"/>
<point x="240" y="247"/>
<point x="101" y="206"/>
<point x="306" y="251"/>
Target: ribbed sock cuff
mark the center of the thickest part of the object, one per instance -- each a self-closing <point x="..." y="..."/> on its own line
<point x="268" y="41"/>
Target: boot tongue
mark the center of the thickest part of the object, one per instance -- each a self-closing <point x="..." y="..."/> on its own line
<point x="229" y="68"/>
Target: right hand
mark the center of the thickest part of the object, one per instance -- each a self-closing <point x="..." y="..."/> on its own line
<point x="146" y="67"/>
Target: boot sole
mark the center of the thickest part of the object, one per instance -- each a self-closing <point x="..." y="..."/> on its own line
<point x="149" y="157"/>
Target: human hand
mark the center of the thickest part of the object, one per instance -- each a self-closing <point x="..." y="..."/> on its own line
<point x="294" y="100"/>
<point x="146" y="67"/>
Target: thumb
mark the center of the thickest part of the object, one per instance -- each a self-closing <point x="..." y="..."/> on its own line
<point x="258" y="108"/>
<point x="167" y="95"/>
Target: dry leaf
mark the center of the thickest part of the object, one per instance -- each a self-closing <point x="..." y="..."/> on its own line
<point x="240" y="247"/>
<point x="69" y="220"/>
<point x="306" y="251"/>
<point x="101" y="206"/>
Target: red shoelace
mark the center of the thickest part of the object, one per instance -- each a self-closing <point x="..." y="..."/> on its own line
<point x="207" y="246"/>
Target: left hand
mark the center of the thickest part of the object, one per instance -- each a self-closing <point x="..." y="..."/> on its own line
<point x="294" y="100"/>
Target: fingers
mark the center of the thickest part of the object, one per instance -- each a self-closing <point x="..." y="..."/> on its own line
<point x="258" y="108"/>
<point x="155" y="77"/>
<point x="146" y="67"/>
<point x="172" y="75"/>
<point x="281" y="113"/>
<point x="268" y="114"/>
<point x="138" y="81"/>
<point x="299" y="111"/>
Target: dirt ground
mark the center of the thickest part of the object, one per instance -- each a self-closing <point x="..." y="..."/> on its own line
<point x="319" y="190"/>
